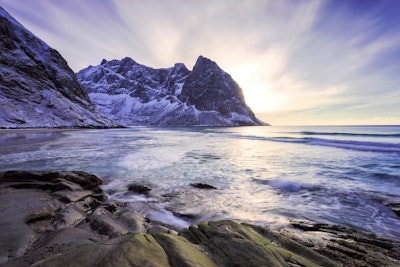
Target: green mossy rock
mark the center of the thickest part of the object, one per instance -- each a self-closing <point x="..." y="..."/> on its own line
<point x="134" y="250"/>
<point x="129" y="250"/>
<point x="182" y="253"/>
<point x="233" y="244"/>
<point x="223" y="243"/>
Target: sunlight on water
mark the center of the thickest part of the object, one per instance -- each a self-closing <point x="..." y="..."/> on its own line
<point x="265" y="175"/>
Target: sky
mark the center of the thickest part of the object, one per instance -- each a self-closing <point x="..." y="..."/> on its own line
<point x="299" y="62"/>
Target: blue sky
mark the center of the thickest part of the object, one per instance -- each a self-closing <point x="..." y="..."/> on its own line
<point x="299" y="62"/>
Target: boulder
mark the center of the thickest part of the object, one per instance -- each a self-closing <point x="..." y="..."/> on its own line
<point x="139" y="189"/>
<point x="203" y="186"/>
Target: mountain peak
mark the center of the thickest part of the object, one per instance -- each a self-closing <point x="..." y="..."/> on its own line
<point x="203" y="63"/>
<point x="128" y="60"/>
<point x="180" y="67"/>
<point x="203" y="58"/>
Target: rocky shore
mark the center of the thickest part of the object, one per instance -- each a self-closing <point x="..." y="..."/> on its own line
<point x="58" y="218"/>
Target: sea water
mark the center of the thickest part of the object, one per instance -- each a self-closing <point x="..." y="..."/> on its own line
<point x="263" y="175"/>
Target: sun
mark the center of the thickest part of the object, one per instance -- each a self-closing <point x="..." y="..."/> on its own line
<point x="256" y="90"/>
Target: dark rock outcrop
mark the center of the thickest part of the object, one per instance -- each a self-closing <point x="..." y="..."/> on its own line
<point x="139" y="189"/>
<point x="348" y="246"/>
<point x="203" y="186"/>
<point x="50" y="212"/>
<point x="37" y="87"/>
<point x="133" y="94"/>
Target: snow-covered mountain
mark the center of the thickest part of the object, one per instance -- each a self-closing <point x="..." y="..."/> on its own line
<point x="37" y="87"/>
<point x="133" y="94"/>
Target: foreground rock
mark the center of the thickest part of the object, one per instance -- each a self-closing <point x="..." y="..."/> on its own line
<point x="34" y="204"/>
<point x="37" y="87"/>
<point x="134" y="250"/>
<point x="394" y="205"/>
<point x="233" y="244"/>
<point x="44" y="213"/>
<point x="134" y="94"/>
<point x="351" y="247"/>
<point x="63" y="219"/>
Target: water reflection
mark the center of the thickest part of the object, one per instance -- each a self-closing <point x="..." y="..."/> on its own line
<point x="14" y="141"/>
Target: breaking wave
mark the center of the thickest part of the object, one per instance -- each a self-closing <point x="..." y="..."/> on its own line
<point x="369" y="146"/>
<point x="391" y="135"/>
<point x="351" y="144"/>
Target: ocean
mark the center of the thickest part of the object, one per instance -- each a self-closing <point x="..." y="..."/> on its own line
<point x="267" y="175"/>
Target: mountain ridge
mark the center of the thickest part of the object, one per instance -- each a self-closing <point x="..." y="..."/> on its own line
<point x="134" y="94"/>
<point x="39" y="90"/>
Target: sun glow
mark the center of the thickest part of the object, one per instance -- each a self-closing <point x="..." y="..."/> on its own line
<point x="257" y="93"/>
<point x="258" y="76"/>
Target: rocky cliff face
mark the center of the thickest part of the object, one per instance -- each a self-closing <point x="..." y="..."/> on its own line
<point x="209" y="88"/>
<point x="37" y="87"/>
<point x="133" y="94"/>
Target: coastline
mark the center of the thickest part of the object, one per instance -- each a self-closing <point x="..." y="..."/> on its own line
<point x="52" y="218"/>
<point x="52" y="129"/>
<point x="38" y="130"/>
